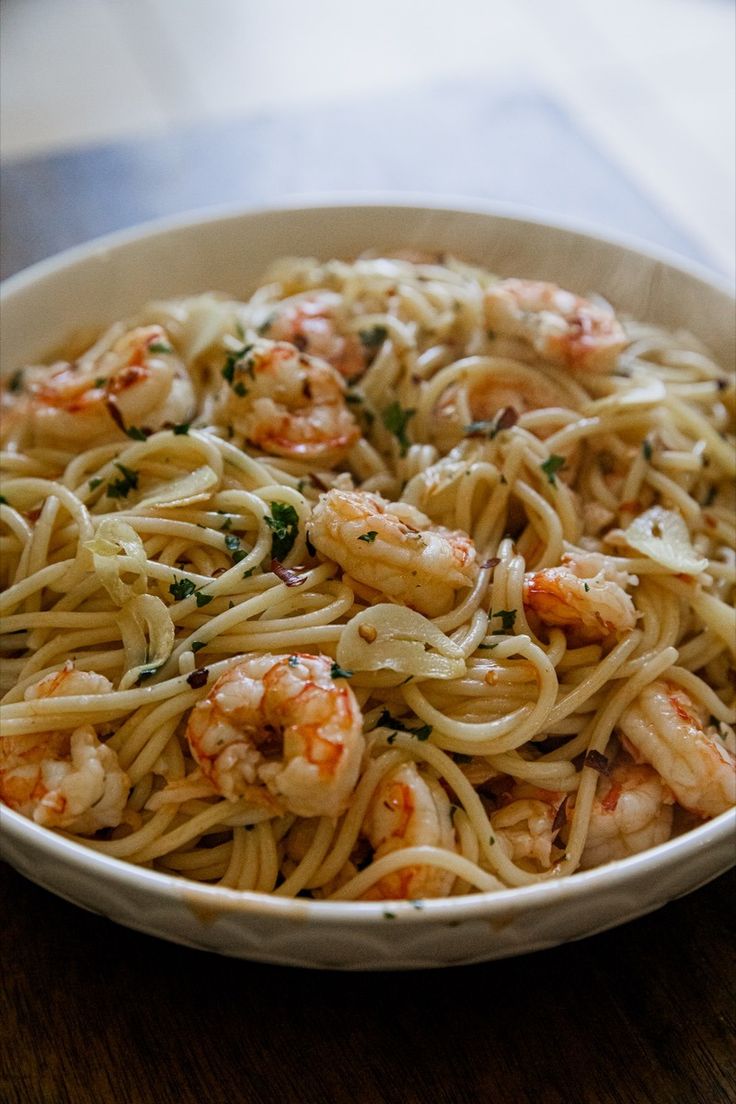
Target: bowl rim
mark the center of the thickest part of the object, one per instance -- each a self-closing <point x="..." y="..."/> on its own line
<point x="485" y="904"/>
<point x="302" y="203"/>
<point x="481" y="905"/>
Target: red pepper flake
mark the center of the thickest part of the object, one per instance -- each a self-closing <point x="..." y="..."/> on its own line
<point x="198" y="678"/>
<point x="507" y="418"/>
<point x="561" y="814"/>
<point x="610" y="801"/>
<point x="114" y="411"/>
<point x="290" y="575"/>
<point x="598" y="762"/>
<point x="710" y="521"/>
<point x="317" y="482"/>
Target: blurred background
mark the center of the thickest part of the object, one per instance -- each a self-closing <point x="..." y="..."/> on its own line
<point x="618" y="113"/>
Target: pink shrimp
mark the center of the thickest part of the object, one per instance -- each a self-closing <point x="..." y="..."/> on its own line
<point x="561" y="327"/>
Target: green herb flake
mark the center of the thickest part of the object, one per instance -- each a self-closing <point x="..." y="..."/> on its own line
<point x="487" y="647"/>
<point x="3" y="500"/>
<point x="389" y="915"/>
<point x="100" y="381"/>
<point x="228" y="371"/>
<point x="369" y="537"/>
<point x="551" y="466"/>
<point x="508" y="617"/>
<point x="197" y="645"/>
<point x="240" y="389"/>
<point x="586" y="588"/>
<point x="147" y="672"/>
<point x="338" y="672"/>
<point x="491" y="840"/>
<point x="121" y="488"/>
<point x="95" y="482"/>
<point x="293" y="661"/>
<point x="181" y="588"/>
<point x="15" y="383"/>
<point x="284" y="523"/>
<point x="646" y="448"/>
<point x="423" y="732"/>
<point x="247" y="574"/>
<point x="160" y="347"/>
<point x="395" y="419"/>
<point x="180" y="430"/>
<point x="374" y="337"/>
<point x="232" y="543"/>
<point x="137" y="434"/>
<point x="203" y="599"/>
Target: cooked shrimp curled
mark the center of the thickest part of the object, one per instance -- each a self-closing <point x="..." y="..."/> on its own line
<point x="282" y="731"/>
<point x="394" y="549"/>
<point x="287" y="403"/>
<point x="64" y="779"/>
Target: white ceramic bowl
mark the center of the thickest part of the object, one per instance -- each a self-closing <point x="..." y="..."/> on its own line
<point x="112" y="278"/>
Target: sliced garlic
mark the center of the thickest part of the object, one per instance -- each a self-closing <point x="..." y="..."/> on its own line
<point x="663" y="536"/>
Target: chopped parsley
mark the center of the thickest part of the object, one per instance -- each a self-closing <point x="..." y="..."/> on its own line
<point x="121" y="488"/>
<point x="228" y="372"/>
<point x="374" y="337"/>
<point x="586" y="588"/>
<point x="197" y="644"/>
<point x="232" y="543"/>
<point x="284" y="523"/>
<point x="240" y="389"/>
<point x="148" y="672"/>
<point x="396" y="419"/>
<point x="369" y="537"/>
<point x="340" y="672"/>
<point x="203" y="599"/>
<point x="508" y="617"/>
<point x="387" y="721"/>
<point x="180" y="430"/>
<point x="3" y="500"/>
<point x="137" y="434"/>
<point x="646" y="448"/>
<point x="94" y="483"/>
<point x="551" y="466"/>
<point x="160" y="347"/>
<point x="15" y="383"/>
<point x="181" y="588"/>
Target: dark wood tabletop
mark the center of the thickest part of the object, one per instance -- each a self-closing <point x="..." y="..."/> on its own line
<point x="91" y="1012"/>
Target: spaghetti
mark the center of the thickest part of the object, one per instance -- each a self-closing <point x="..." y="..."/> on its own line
<point x="396" y="580"/>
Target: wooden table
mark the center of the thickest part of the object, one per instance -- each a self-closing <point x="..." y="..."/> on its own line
<point x="91" y="1012"/>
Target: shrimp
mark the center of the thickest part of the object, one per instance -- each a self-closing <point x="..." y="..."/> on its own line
<point x="138" y="383"/>
<point x="632" y="812"/>
<point x="394" y="549"/>
<point x="288" y="404"/>
<point x="527" y="824"/>
<point x="309" y="322"/>
<point x="497" y="397"/>
<point x="663" y="727"/>
<point x="282" y="731"/>
<point x="560" y="326"/>
<point x="409" y="808"/>
<point x="585" y="596"/>
<point x="62" y="779"/>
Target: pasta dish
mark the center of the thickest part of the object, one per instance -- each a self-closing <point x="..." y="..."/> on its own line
<point x="396" y="580"/>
